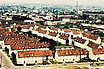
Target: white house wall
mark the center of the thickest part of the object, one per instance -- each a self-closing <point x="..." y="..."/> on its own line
<point x="31" y="60"/>
<point x="70" y="58"/>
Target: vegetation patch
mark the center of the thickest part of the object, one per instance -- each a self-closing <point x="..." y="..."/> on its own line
<point x="53" y="62"/>
<point x="96" y="64"/>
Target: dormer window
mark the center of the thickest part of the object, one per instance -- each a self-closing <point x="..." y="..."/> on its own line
<point x="66" y="52"/>
<point x="32" y="54"/>
<point x="81" y="52"/>
<point x="19" y="47"/>
<point x="47" y="54"/>
<point x="28" y="55"/>
<point x="1" y="35"/>
<point x="23" y="47"/>
<point x="101" y="51"/>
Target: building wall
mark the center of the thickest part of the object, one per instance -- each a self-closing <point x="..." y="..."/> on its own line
<point x="98" y="41"/>
<point x="77" y="35"/>
<point x="102" y="44"/>
<point x="70" y="58"/>
<point x="34" y="32"/>
<point x="62" y="41"/>
<point x="25" y="30"/>
<point x="31" y="60"/>
<point x="50" y="23"/>
<point x="81" y="45"/>
<point x="54" y="38"/>
<point x="15" y="51"/>
<point x="66" y="19"/>
<point x="101" y="56"/>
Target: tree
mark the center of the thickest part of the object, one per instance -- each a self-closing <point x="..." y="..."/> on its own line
<point x="66" y="27"/>
<point x="67" y="42"/>
<point x="13" y="55"/>
<point x="6" y="49"/>
<point x="19" y="28"/>
<point x="30" y="34"/>
<point x="13" y="58"/>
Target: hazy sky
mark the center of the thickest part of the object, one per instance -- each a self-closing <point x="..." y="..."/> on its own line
<point x="63" y="2"/>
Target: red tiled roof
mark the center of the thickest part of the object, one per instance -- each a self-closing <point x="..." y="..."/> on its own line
<point x="39" y="45"/>
<point x="27" y="41"/>
<point x="1" y="28"/>
<point x="8" y="42"/>
<point x="74" y="25"/>
<point x="44" y="27"/>
<point x="69" y="52"/>
<point x="10" y="33"/>
<point x="76" y="32"/>
<point x="89" y="35"/>
<point x="67" y="30"/>
<point x="35" y="39"/>
<point x="53" y="28"/>
<point x="42" y="31"/>
<point x="64" y="37"/>
<point x="31" y="25"/>
<point x="93" y="45"/>
<point x="34" y="53"/>
<point x="21" y="46"/>
<point x="25" y="27"/>
<point x="53" y="34"/>
<point x="98" y="51"/>
<point x="102" y="40"/>
<point x="11" y="36"/>
<point x="80" y="40"/>
<point x="4" y="30"/>
<point x="16" y="26"/>
<point x="26" y="44"/>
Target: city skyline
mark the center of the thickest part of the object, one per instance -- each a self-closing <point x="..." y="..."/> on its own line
<point x="57" y="2"/>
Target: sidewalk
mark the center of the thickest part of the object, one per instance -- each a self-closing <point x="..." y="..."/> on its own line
<point x="5" y="58"/>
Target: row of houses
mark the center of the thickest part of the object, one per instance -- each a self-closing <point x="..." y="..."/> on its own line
<point x="29" y="48"/>
<point x="83" y="43"/>
<point x="60" y="35"/>
<point x="63" y="55"/>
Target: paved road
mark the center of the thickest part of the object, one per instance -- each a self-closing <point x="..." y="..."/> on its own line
<point x="6" y="62"/>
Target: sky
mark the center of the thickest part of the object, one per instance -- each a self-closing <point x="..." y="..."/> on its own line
<point x="55" y="2"/>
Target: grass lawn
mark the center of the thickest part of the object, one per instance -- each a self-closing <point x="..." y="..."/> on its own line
<point x="66" y="67"/>
<point x="95" y="65"/>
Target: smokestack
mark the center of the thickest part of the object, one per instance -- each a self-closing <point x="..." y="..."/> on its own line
<point x="77" y="7"/>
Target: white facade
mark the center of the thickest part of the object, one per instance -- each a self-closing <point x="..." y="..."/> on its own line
<point x="98" y="40"/>
<point x="25" y="30"/>
<point x="69" y="58"/>
<point x="31" y="60"/>
<point x="101" y="56"/>
<point x="15" y="51"/>
<point x="102" y="44"/>
<point x="66" y="19"/>
<point x="62" y="41"/>
<point x="81" y="45"/>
